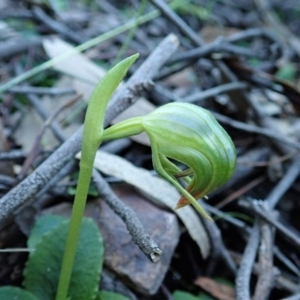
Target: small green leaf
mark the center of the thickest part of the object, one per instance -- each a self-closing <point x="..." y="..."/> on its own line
<point x="57" y="5"/>
<point x="181" y="295"/>
<point x="43" y="225"/>
<point x="287" y="72"/>
<point x="107" y="295"/>
<point x="43" y="266"/>
<point x="92" y="191"/>
<point x="15" y="293"/>
<point x="204" y="296"/>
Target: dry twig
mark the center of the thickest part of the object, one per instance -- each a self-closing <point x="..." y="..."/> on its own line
<point x="244" y="273"/>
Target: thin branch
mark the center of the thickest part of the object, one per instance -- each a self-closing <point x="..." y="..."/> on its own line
<point x="293" y="297"/>
<point x="285" y="183"/>
<point x="12" y="155"/>
<point x="54" y="91"/>
<point x="246" y="265"/>
<point x="268" y="125"/>
<point x="244" y="189"/>
<point x="7" y="180"/>
<point x="16" y="46"/>
<point x="174" y="18"/>
<point x="256" y="129"/>
<point x="65" y="171"/>
<point x="134" y="226"/>
<point x="281" y="281"/>
<point x="219" y="45"/>
<point x="218" y="248"/>
<point x="267" y="276"/>
<point x="224" y="216"/>
<point x="269" y="17"/>
<point x="57" y="26"/>
<point x="290" y="235"/>
<point x="116" y="146"/>
<point x="286" y="261"/>
<point x="197" y="41"/>
<point x="221" y="89"/>
<point x="254" y="32"/>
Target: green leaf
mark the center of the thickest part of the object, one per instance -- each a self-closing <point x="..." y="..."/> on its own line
<point x="57" y="5"/>
<point x="43" y="266"/>
<point x="92" y="191"/>
<point x="106" y="295"/>
<point x="15" y="293"/>
<point x="225" y="281"/>
<point x="43" y="225"/>
<point x="181" y="295"/>
<point x="204" y="296"/>
<point x="287" y="72"/>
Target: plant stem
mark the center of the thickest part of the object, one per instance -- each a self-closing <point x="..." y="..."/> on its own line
<point x="74" y="229"/>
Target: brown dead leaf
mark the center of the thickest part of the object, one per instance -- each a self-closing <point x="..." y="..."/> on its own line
<point x="181" y="79"/>
<point x="218" y="290"/>
<point x="210" y="32"/>
<point x="30" y="126"/>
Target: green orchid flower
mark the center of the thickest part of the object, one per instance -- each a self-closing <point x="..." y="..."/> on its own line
<point x="190" y="135"/>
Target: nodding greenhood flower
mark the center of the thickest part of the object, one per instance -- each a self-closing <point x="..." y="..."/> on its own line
<point x="190" y="135"/>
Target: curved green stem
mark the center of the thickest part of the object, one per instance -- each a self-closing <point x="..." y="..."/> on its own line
<point x="125" y="128"/>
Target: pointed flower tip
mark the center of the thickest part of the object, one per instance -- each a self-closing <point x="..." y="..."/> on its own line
<point x="180" y="205"/>
<point x="183" y="201"/>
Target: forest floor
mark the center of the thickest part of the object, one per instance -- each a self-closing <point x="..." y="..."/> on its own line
<point x="237" y="59"/>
